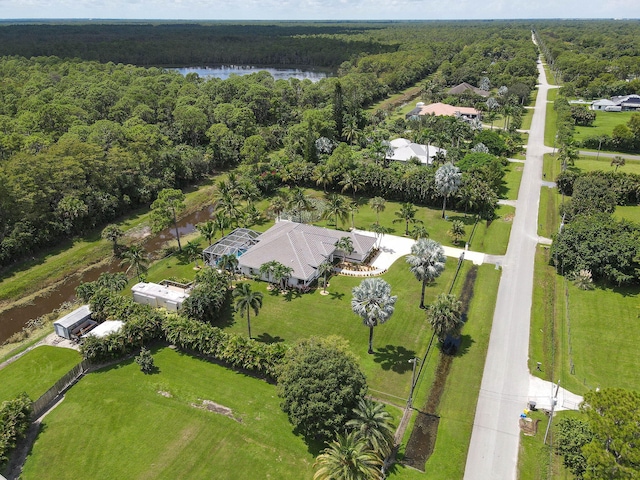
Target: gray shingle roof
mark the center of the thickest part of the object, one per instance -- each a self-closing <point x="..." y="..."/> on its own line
<point x="300" y="246"/>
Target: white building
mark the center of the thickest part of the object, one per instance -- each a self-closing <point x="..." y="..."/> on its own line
<point x="160" y="295"/>
<point x="105" y="328"/>
<point x="402" y="150"/>
<point x="74" y="324"/>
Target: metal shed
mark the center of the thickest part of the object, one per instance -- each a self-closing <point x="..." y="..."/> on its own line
<point x="74" y="324"/>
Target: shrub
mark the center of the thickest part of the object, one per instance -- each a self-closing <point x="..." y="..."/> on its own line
<point x="145" y="360"/>
<point x="15" y="417"/>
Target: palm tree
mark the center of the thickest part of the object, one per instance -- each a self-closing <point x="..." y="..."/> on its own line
<point x="378" y="205"/>
<point x="247" y="300"/>
<point x="136" y="258"/>
<point x="266" y="270"/>
<point x="426" y="262"/>
<point x="337" y="207"/>
<point x="208" y="230"/>
<point x="353" y="209"/>
<point x="278" y="205"/>
<point x="407" y="214"/>
<point x="221" y="222"/>
<point x="324" y="269"/>
<point x="299" y="202"/>
<point x="282" y="273"/>
<point x="345" y="244"/>
<point x="445" y="316"/>
<point x="112" y="233"/>
<point x="418" y="232"/>
<point x="227" y="206"/>
<point x="350" y="132"/>
<point x="373" y="302"/>
<point x="228" y="263"/>
<point x="373" y="424"/>
<point x="457" y="231"/>
<point x="351" y="182"/>
<point x="348" y="458"/>
<point x="447" y="180"/>
<point x="618" y="161"/>
<point x="323" y="175"/>
<point x="193" y="251"/>
<point x="380" y="232"/>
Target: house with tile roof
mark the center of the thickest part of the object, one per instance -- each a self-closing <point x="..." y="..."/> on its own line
<point x="444" y="109"/>
<point x="465" y="87"/>
<point x="303" y="248"/>
<point x="402" y="150"/>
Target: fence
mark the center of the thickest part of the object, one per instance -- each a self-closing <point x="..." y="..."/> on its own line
<point x="42" y="403"/>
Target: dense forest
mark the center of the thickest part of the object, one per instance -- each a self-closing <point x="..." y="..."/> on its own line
<point x="593" y="59"/>
<point x="82" y="142"/>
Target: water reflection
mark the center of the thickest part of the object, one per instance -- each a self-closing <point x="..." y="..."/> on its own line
<point x="225" y="71"/>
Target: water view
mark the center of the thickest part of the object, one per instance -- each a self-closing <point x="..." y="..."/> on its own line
<point x="225" y="71"/>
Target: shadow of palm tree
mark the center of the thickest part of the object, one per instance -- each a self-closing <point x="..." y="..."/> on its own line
<point x="292" y="294"/>
<point x="465" y="344"/>
<point x="336" y="295"/>
<point x="266" y="338"/>
<point x="394" y="358"/>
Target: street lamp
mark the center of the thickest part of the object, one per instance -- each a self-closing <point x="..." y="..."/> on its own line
<point x="415" y="362"/>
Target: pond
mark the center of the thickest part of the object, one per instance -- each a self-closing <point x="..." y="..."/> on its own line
<point x="225" y="71"/>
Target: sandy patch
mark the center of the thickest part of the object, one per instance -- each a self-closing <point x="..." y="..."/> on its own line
<point x="216" y="408"/>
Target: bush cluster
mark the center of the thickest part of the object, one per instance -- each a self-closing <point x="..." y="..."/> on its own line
<point x="15" y="417"/>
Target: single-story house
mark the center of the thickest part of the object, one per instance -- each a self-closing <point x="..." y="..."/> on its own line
<point x="166" y="294"/>
<point x="75" y="324"/>
<point x="303" y="248"/>
<point x="465" y="87"/>
<point x="625" y="103"/>
<point x="105" y="328"/>
<point x="444" y="109"/>
<point x="402" y="150"/>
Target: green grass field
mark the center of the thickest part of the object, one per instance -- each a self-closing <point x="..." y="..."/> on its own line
<point x="36" y="371"/>
<point x="550" y="126"/>
<point x="604" y="123"/>
<point x="512" y="180"/>
<point x="115" y="424"/>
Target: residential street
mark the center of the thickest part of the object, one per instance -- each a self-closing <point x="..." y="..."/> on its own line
<point x="493" y="452"/>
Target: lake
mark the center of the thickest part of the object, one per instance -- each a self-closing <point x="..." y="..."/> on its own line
<point x="225" y="71"/>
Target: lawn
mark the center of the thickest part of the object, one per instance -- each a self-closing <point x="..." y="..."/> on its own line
<point x="550" y="125"/>
<point x="119" y="423"/>
<point x="285" y="318"/>
<point x="590" y="164"/>
<point x="458" y="402"/>
<point x="36" y="371"/>
<point x="604" y="124"/>
<point x="512" y="178"/>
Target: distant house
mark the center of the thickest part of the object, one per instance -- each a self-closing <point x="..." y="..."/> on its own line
<point x="444" y="109"/>
<point x="303" y="248"/>
<point x="626" y="103"/>
<point x="166" y="294"/>
<point x="75" y="324"/>
<point x="465" y="87"/>
<point x="402" y="150"/>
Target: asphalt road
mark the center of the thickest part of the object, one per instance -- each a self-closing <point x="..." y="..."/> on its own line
<point x="493" y="451"/>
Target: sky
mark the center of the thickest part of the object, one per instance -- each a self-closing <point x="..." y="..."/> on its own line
<point x="317" y="9"/>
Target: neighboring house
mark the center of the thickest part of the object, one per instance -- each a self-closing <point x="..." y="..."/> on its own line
<point x="626" y="103"/>
<point x="166" y="294"/>
<point x="444" y="109"/>
<point x="465" y="87"/>
<point x="75" y="324"/>
<point x="402" y="150"/>
<point x="303" y="248"/>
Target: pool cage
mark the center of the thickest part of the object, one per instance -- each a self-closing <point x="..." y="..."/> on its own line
<point x="235" y="243"/>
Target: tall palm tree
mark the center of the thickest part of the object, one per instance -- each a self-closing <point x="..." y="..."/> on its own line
<point x="445" y="316"/>
<point x="373" y="424"/>
<point x="278" y="205"/>
<point x="228" y="263"/>
<point x="299" y="202"/>
<point x="281" y="273"/>
<point x="208" y="230"/>
<point x="348" y="458"/>
<point x="193" y="251"/>
<point x="324" y="269"/>
<point x="447" y="180"/>
<point x="227" y="205"/>
<point x="221" y="222"/>
<point x="136" y="258"/>
<point x="418" y="232"/>
<point x="407" y="214"/>
<point x="380" y="232"/>
<point x="351" y="182"/>
<point x="266" y="270"/>
<point x="426" y="262"/>
<point x="373" y="302"/>
<point x="353" y="209"/>
<point x="345" y="244"/>
<point x="337" y="207"/>
<point x="323" y="175"/>
<point x="247" y="300"/>
<point x="378" y="205"/>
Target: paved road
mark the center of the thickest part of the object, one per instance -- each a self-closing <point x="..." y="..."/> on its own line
<point x="493" y="452"/>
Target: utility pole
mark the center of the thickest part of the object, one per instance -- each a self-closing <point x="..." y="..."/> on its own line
<point x="554" y="399"/>
<point x="415" y="362"/>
